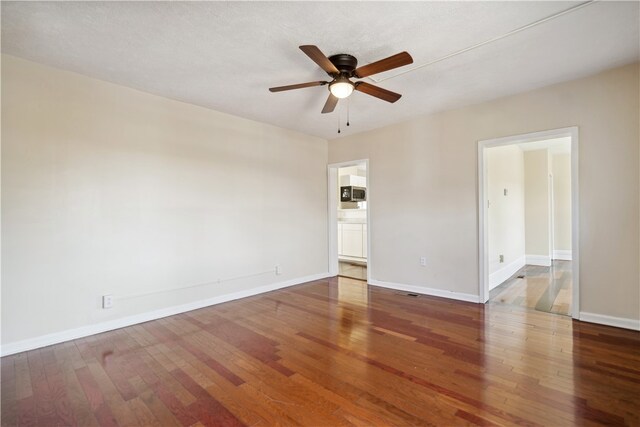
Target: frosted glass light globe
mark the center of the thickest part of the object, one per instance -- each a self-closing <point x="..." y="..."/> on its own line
<point x="341" y="89"/>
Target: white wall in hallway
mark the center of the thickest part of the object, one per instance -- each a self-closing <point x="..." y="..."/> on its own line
<point x="537" y="203"/>
<point x="561" y="168"/>
<point x="505" y="171"/>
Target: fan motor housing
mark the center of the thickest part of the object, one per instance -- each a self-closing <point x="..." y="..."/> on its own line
<point x="344" y="62"/>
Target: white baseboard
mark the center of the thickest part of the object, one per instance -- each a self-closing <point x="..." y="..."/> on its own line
<point x="562" y="255"/>
<point x="541" y="260"/>
<point x="498" y="277"/>
<point x="426" y="291"/>
<point x="618" y="322"/>
<point x="71" y="334"/>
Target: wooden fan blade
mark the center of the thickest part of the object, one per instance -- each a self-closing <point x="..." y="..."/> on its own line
<point x="319" y="58"/>
<point x="330" y="105"/>
<point x="395" y="61"/>
<point x="378" y="92"/>
<point x="298" y="86"/>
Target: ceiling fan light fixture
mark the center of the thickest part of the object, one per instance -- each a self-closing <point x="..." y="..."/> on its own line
<point x="341" y="68"/>
<point x="341" y="88"/>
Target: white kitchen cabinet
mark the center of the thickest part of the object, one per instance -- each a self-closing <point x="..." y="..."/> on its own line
<point x="354" y="180"/>
<point x="352" y="240"/>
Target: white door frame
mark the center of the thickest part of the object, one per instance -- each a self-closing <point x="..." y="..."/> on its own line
<point x="552" y="219"/>
<point x="483" y="250"/>
<point x="332" y="215"/>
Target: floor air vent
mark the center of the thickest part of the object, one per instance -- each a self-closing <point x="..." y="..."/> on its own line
<point x="407" y="294"/>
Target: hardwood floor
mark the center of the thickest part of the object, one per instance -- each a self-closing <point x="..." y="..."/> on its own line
<point x="332" y="353"/>
<point x="352" y="270"/>
<point x="541" y="288"/>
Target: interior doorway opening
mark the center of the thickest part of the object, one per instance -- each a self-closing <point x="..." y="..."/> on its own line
<point x="349" y="195"/>
<point x="528" y="234"/>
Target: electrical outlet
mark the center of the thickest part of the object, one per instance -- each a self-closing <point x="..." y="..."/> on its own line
<point x="107" y="301"/>
<point x="278" y="270"/>
<point x="506" y="192"/>
<point x="501" y="258"/>
<point x="423" y="261"/>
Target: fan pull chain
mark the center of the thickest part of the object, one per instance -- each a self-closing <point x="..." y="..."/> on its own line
<point x="338" y="121"/>
<point x="348" y="103"/>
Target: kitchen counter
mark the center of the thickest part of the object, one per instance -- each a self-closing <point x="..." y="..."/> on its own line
<point x="352" y="216"/>
<point x="352" y="220"/>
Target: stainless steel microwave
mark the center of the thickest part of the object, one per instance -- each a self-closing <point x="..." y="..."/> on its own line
<point x="353" y="194"/>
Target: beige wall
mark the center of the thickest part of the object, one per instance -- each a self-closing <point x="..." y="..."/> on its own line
<point x="561" y="168"/>
<point x="537" y="202"/>
<point x="110" y="190"/>
<point x="106" y="189"/>
<point x="431" y="161"/>
<point x="505" y="170"/>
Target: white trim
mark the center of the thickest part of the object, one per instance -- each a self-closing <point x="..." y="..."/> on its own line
<point x="483" y="225"/>
<point x="332" y="215"/>
<point x="332" y="218"/>
<point x="618" y="322"/>
<point x="541" y="260"/>
<point x="562" y="255"/>
<point x="498" y="277"/>
<point x="426" y="291"/>
<point x="575" y="225"/>
<point x="483" y="250"/>
<point x="552" y="206"/>
<point x="71" y="334"/>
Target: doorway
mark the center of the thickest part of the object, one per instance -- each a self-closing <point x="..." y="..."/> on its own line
<point x="349" y="198"/>
<point x="528" y="247"/>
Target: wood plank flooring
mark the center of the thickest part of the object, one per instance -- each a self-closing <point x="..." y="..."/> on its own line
<point x="352" y="270"/>
<point x="545" y="289"/>
<point x="333" y="353"/>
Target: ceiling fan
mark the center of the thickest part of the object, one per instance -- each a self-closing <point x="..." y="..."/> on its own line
<point x="342" y="68"/>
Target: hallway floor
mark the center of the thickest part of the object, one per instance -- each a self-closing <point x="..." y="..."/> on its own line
<point x="545" y="289"/>
<point x="352" y="270"/>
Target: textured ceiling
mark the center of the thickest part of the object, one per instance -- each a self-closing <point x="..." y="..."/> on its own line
<point x="224" y="55"/>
